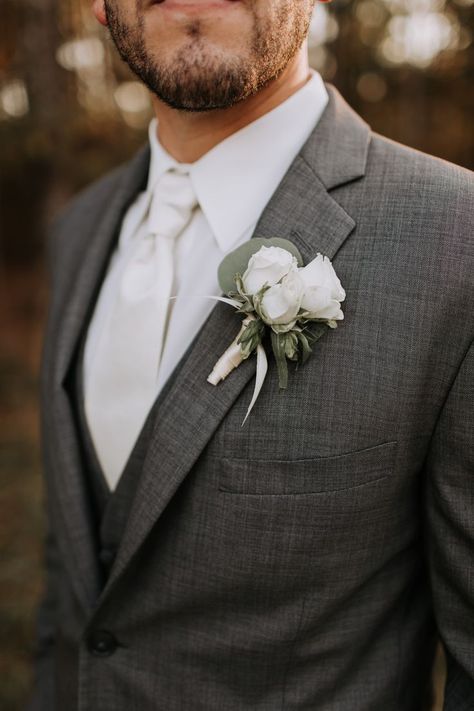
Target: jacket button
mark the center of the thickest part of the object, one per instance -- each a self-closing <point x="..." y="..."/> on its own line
<point x="107" y="557"/>
<point x="101" y="643"/>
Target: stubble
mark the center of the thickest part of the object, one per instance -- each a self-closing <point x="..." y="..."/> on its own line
<point x="200" y="78"/>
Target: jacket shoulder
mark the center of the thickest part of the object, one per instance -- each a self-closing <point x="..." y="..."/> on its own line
<point x="90" y="200"/>
<point x="420" y="209"/>
<point x="76" y="224"/>
<point x="421" y="195"/>
<point x="409" y="169"/>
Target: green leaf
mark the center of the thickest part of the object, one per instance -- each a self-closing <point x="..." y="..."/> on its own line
<point x="253" y="329"/>
<point x="278" y="347"/>
<point x="290" y="342"/>
<point x="251" y="337"/>
<point x="307" y="336"/>
<point x="316" y="331"/>
<point x="305" y="347"/>
<point x="235" y="263"/>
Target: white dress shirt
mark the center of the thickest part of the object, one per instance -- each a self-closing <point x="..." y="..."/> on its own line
<point x="233" y="182"/>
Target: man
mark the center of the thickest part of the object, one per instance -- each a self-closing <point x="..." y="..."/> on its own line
<point x="311" y="558"/>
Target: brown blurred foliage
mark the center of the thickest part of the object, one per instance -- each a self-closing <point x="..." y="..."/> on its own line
<point x="69" y="111"/>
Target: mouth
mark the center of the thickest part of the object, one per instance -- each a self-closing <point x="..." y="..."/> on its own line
<point x="193" y="6"/>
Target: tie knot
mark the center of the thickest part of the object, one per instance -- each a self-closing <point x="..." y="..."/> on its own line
<point x="172" y="204"/>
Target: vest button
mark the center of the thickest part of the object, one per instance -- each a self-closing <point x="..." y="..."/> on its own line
<point x="101" y="643"/>
<point x="107" y="556"/>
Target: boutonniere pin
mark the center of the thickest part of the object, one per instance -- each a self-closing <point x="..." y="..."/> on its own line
<point x="265" y="280"/>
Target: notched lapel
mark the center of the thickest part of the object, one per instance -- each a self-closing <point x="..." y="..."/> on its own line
<point x="187" y="417"/>
<point x="97" y="252"/>
<point x="69" y="487"/>
<point x="303" y="211"/>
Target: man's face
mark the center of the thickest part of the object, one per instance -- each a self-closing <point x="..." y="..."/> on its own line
<point x="198" y="55"/>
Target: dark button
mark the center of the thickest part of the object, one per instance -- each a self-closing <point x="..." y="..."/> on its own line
<point x="107" y="556"/>
<point x="102" y="643"/>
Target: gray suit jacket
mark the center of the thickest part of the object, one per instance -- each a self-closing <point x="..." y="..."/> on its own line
<point x="309" y="559"/>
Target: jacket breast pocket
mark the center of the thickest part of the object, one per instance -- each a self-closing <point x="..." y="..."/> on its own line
<point x="318" y="475"/>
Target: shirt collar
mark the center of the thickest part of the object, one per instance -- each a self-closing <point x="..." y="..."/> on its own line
<point x="235" y="180"/>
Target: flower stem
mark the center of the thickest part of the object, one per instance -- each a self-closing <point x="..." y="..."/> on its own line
<point x="278" y="346"/>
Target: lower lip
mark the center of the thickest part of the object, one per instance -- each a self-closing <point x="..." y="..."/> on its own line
<point x="194" y="6"/>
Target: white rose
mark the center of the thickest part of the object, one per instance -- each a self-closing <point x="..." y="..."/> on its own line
<point x="323" y="291"/>
<point x="281" y="303"/>
<point x="267" y="266"/>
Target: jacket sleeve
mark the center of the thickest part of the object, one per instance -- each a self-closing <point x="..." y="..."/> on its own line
<point x="42" y="696"/>
<point x="43" y="691"/>
<point x="450" y="534"/>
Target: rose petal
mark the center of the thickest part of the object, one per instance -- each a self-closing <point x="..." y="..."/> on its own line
<point x="267" y="267"/>
<point x="320" y="272"/>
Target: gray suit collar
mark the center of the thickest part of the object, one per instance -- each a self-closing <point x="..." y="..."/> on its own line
<point x="338" y="147"/>
<point x="301" y="210"/>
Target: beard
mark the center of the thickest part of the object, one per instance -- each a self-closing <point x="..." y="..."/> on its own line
<point x="202" y="77"/>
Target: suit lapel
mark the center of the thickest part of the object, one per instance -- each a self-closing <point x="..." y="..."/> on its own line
<point x="94" y="262"/>
<point x="301" y="210"/>
<point x="69" y="488"/>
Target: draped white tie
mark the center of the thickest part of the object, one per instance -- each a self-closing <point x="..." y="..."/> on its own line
<point x="122" y="384"/>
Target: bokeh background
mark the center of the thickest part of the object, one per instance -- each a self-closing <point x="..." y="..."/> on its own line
<point x="70" y="110"/>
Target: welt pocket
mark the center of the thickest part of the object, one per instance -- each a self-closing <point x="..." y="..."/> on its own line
<point x="317" y="475"/>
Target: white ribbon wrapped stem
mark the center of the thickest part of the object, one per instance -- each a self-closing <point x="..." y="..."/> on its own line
<point x="231" y="359"/>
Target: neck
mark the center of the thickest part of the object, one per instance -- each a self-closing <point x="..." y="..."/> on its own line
<point x="187" y="136"/>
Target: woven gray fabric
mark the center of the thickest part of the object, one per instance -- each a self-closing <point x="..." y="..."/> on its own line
<point x="309" y="559"/>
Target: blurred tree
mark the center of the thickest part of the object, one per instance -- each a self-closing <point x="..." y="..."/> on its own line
<point x="69" y="109"/>
<point x="407" y="66"/>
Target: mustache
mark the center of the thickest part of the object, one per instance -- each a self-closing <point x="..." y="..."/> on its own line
<point x="141" y="5"/>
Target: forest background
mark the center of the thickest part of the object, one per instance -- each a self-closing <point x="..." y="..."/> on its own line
<point x="70" y="110"/>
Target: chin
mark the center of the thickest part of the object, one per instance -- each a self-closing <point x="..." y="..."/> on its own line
<point x="223" y="33"/>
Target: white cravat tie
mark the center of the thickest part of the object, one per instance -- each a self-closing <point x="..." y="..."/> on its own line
<point x="122" y="384"/>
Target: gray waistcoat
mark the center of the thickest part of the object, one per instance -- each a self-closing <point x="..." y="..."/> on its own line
<point x="111" y="509"/>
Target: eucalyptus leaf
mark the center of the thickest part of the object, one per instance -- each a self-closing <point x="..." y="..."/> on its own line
<point x="236" y="262"/>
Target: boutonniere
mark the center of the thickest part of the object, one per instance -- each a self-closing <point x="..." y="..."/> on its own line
<point x="294" y="304"/>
